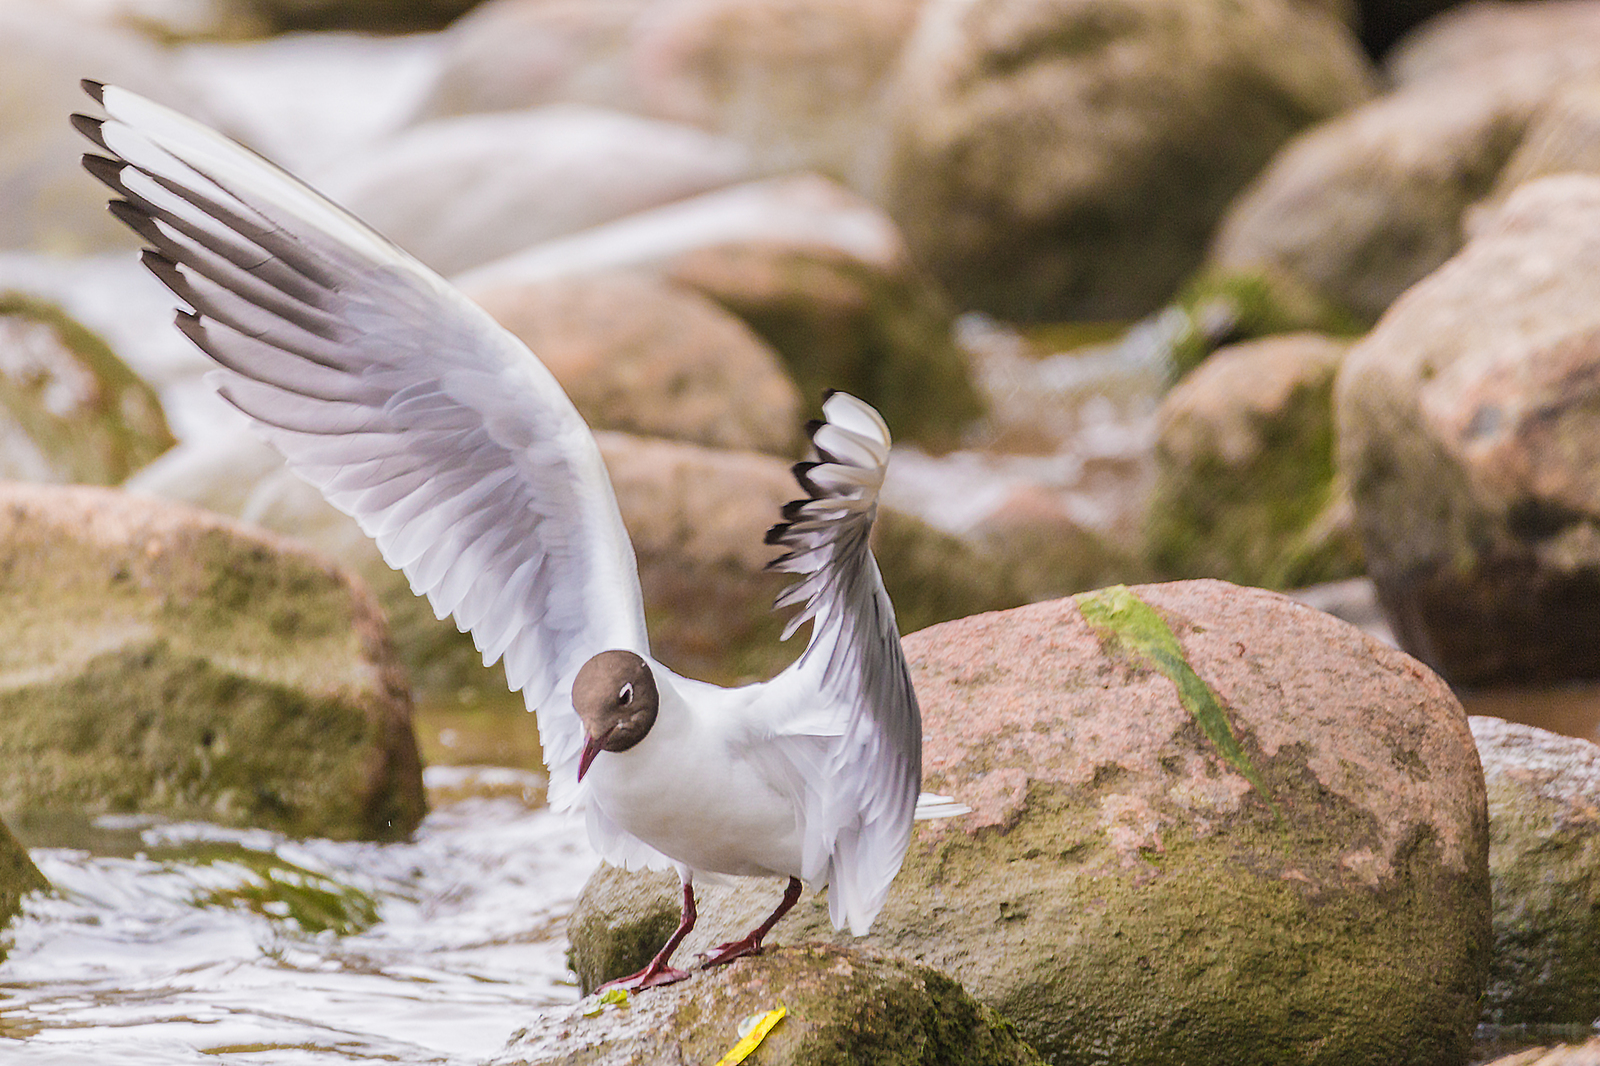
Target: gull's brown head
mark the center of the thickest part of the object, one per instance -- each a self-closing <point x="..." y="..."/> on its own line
<point x="615" y="695"/>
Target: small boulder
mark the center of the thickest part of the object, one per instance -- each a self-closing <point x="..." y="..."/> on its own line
<point x="464" y="191"/>
<point x="1049" y="551"/>
<point x="637" y="353"/>
<point x="1359" y="208"/>
<point x="1564" y="137"/>
<point x="1286" y="862"/>
<point x="821" y="274"/>
<point x="1051" y="159"/>
<point x="800" y="83"/>
<point x="506" y="55"/>
<point x="1555" y="40"/>
<point x="840" y="322"/>
<point x="1544" y="843"/>
<point x="1466" y="430"/>
<point x="160" y="659"/>
<point x="240" y="476"/>
<point x="1245" y="486"/>
<point x="70" y="410"/>
<point x="839" y="1006"/>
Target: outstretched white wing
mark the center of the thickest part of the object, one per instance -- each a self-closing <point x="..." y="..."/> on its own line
<point x="856" y="730"/>
<point x="405" y="404"/>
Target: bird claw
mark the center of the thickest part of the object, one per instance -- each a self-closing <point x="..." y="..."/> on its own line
<point x="723" y="954"/>
<point x="651" y="976"/>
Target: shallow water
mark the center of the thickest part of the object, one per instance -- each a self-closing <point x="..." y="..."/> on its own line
<point x="189" y="943"/>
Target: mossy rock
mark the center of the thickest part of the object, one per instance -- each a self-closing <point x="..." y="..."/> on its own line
<point x="244" y="478"/>
<point x="1544" y="857"/>
<point x="159" y="659"/>
<point x="878" y="331"/>
<point x="841" y="1007"/>
<point x="1245" y="483"/>
<point x="1223" y="307"/>
<point x="1296" y="872"/>
<point x="70" y="410"/>
<point x="18" y="877"/>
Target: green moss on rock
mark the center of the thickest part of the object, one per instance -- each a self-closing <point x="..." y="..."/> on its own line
<point x="76" y="412"/>
<point x="1246" y="486"/>
<point x="157" y="659"/>
<point x="842" y="1007"/>
<point x="1123" y="895"/>
<point x="18" y="877"/>
<point x="842" y="323"/>
<point x="1223" y="307"/>
<point x="1544" y="858"/>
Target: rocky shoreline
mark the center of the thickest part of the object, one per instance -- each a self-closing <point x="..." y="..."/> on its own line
<point x="1202" y="297"/>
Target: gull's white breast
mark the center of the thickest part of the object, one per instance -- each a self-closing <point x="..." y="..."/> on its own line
<point x="692" y="790"/>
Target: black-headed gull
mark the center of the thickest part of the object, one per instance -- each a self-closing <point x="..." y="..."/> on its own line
<point x="457" y="451"/>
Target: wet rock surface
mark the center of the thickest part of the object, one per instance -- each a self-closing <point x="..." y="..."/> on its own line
<point x="840" y="1006"/>
<point x="163" y="660"/>
<point x="1544" y="834"/>
<point x="1466" y="433"/>
<point x="1125" y="893"/>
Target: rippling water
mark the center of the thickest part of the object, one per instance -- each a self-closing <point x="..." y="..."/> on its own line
<point x="189" y="943"/>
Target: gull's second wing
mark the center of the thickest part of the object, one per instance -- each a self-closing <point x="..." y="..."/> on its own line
<point x="856" y="729"/>
<point x="404" y="403"/>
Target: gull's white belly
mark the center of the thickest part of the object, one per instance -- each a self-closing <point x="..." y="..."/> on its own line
<point x="701" y="805"/>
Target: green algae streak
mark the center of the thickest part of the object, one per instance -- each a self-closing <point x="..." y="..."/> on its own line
<point x="1121" y="619"/>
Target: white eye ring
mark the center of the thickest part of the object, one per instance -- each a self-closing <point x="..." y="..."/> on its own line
<point x="625" y="697"/>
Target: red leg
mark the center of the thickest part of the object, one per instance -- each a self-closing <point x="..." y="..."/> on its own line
<point x="660" y="972"/>
<point x="751" y="944"/>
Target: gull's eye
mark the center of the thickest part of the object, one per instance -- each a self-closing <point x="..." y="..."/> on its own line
<point x="625" y="697"/>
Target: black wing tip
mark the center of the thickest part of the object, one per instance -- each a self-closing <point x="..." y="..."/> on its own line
<point x="95" y="89"/>
<point x="105" y="170"/>
<point x="802" y="474"/>
<point x="90" y="127"/>
<point x="165" y="270"/>
<point x="776" y="533"/>
<point x="828" y="394"/>
<point x="134" y="217"/>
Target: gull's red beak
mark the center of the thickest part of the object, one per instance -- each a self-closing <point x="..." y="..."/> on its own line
<point x="592" y="746"/>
